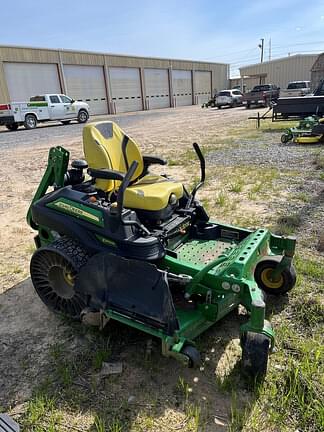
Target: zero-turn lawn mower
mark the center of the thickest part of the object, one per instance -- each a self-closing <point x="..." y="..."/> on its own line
<point x="120" y="243"/>
<point x="310" y="130"/>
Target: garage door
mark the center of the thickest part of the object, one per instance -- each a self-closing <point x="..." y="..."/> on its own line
<point x="125" y="89"/>
<point x="87" y="84"/>
<point x="182" y="87"/>
<point x="31" y="79"/>
<point x="202" y="86"/>
<point x="157" y="88"/>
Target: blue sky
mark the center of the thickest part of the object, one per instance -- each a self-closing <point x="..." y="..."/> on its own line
<point x="211" y="30"/>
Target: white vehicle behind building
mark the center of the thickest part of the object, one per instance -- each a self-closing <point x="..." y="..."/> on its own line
<point x="43" y="108"/>
<point x="296" y="88"/>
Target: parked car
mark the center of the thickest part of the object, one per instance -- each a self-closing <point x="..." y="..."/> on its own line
<point x="262" y="94"/>
<point x="230" y="98"/>
<point x="43" y="108"/>
<point x="296" y="88"/>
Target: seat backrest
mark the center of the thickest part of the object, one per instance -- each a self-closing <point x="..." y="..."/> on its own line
<point x="106" y="145"/>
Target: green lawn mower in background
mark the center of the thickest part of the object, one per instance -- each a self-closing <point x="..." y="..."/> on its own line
<point x="310" y="130"/>
<point x="118" y="243"/>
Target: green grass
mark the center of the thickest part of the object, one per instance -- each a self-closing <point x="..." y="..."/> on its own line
<point x="310" y="268"/>
<point x="287" y="224"/>
<point x="302" y="196"/>
<point x="236" y="187"/>
<point x="221" y="199"/>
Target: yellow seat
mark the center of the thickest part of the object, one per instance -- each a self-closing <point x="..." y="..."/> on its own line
<point x="106" y="146"/>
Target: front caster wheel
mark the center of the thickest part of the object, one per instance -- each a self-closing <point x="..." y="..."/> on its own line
<point x="193" y="355"/>
<point x="276" y="286"/>
<point x="255" y="353"/>
<point x="285" y="138"/>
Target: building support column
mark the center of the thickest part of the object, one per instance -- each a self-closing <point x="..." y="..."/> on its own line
<point x="61" y="73"/>
<point x="145" y="102"/>
<point x="193" y="87"/>
<point x="172" y="100"/>
<point x="110" y="106"/>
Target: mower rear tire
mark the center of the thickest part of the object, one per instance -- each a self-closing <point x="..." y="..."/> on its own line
<point x="284" y="283"/>
<point x="53" y="270"/>
<point x="255" y="354"/>
<point x="193" y="355"/>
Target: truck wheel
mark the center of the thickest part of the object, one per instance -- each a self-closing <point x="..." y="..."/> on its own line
<point x="66" y="122"/>
<point x="30" y="121"/>
<point x="83" y="116"/>
<point x="12" y="126"/>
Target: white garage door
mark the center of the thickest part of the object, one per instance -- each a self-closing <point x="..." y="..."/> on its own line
<point x="31" y="79"/>
<point x="125" y="89"/>
<point x="202" y="86"/>
<point x="157" y="88"/>
<point x="182" y="87"/>
<point x="87" y="84"/>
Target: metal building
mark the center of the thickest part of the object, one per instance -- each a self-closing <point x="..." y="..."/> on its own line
<point x="279" y="72"/>
<point x="317" y="72"/>
<point x="109" y="83"/>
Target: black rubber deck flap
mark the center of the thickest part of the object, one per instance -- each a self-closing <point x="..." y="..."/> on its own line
<point x="7" y="424"/>
<point x="131" y="287"/>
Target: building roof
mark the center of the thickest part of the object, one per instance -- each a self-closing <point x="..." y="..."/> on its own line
<point x="112" y="54"/>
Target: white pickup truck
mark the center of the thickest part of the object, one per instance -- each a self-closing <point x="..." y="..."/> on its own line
<point x="43" y="108"/>
<point x="296" y="89"/>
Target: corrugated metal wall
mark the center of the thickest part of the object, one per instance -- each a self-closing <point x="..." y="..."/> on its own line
<point x="219" y="71"/>
<point x="317" y="73"/>
<point x="282" y="71"/>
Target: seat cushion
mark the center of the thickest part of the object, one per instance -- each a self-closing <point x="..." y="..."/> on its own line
<point x="151" y="193"/>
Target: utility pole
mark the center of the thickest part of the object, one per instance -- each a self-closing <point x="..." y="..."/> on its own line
<point x="261" y="46"/>
<point x="269" y="49"/>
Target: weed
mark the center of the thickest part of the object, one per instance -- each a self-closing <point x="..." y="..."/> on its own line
<point x="309" y="312"/>
<point x="309" y="267"/>
<point x="221" y="199"/>
<point x="302" y="196"/>
<point x="256" y="188"/>
<point x="115" y="426"/>
<point x="236" y="187"/>
<point x="287" y="225"/>
<point x="184" y="388"/>
<point x="193" y="413"/>
<point x="319" y="160"/>
<point x="99" y="424"/>
<point x="100" y="356"/>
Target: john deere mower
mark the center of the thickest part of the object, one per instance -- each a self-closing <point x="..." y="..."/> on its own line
<point x="118" y="243"/>
<point x="310" y="130"/>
